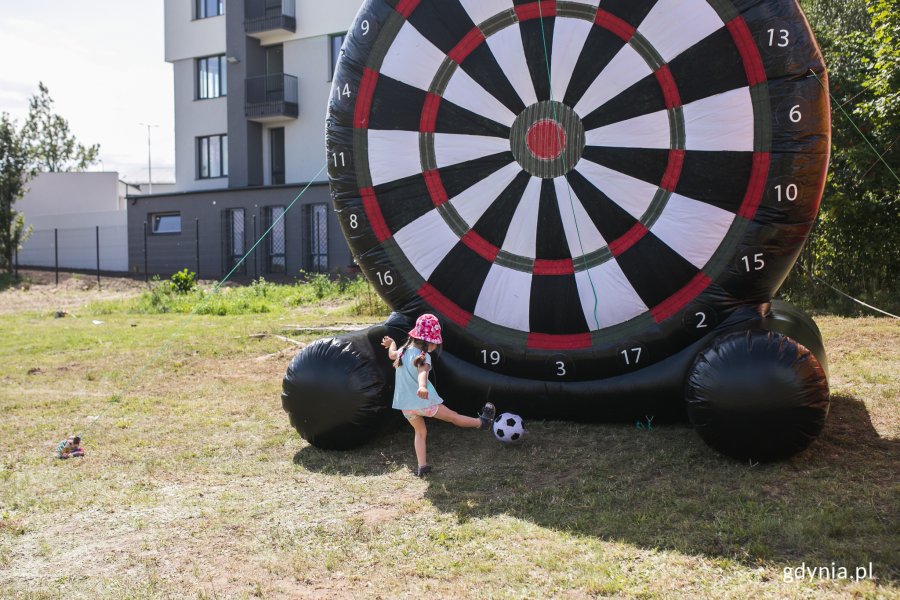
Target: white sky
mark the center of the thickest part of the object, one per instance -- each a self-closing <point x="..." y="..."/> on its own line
<point x="104" y="63"/>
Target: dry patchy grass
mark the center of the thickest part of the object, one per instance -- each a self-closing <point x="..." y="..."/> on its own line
<point x="195" y="485"/>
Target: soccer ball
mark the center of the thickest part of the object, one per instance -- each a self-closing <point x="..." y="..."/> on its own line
<point x="509" y="428"/>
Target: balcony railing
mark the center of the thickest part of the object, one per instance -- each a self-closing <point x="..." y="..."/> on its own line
<point x="269" y="15"/>
<point x="270" y="97"/>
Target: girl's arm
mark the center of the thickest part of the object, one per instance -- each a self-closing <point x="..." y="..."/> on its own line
<point x="391" y="346"/>
<point x="423" y="382"/>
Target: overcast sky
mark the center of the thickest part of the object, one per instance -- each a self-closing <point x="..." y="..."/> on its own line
<point x="104" y="63"/>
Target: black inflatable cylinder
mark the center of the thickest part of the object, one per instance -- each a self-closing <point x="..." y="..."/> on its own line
<point x="338" y="391"/>
<point x="757" y="395"/>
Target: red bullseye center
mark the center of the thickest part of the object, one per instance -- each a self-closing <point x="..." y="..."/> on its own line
<point x="546" y="139"/>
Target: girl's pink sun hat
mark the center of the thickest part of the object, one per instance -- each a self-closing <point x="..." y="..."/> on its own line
<point x="427" y="329"/>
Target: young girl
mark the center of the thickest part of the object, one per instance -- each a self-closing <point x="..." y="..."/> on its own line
<point x="415" y="395"/>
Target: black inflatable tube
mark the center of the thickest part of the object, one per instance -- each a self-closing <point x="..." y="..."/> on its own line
<point x="338" y="391"/>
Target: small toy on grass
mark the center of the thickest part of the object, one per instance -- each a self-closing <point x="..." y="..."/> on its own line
<point x="69" y="448"/>
<point x="509" y="428"/>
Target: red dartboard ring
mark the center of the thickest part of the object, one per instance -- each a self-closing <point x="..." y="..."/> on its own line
<point x="564" y="213"/>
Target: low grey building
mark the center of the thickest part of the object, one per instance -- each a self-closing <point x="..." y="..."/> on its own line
<point x="252" y="81"/>
<point x="209" y="232"/>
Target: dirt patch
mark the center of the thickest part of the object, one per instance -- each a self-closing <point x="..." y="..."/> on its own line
<point x="39" y="291"/>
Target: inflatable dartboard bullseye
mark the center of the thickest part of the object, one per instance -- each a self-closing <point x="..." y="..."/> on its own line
<point x="585" y="192"/>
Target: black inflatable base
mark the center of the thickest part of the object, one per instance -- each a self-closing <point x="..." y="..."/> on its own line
<point x="757" y="395"/>
<point x="756" y="388"/>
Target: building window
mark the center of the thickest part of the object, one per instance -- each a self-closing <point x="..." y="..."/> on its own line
<point x="212" y="77"/>
<point x="212" y="156"/>
<point x="336" y="42"/>
<point x="209" y="8"/>
<point x="275" y="254"/>
<point x="233" y="225"/>
<point x="276" y="154"/>
<point x="317" y="238"/>
<point x="165" y="223"/>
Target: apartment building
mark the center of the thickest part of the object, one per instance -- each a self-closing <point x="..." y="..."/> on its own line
<point x="252" y="81"/>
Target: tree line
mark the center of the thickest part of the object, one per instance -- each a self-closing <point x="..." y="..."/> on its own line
<point x="855" y="245"/>
<point x="43" y="143"/>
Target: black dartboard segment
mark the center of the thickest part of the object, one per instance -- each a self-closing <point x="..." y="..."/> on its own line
<point x="564" y="176"/>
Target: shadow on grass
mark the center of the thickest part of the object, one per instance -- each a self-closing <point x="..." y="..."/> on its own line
<point x="664" y="489"/>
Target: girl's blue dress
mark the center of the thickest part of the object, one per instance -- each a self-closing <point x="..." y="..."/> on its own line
<point x="406" y="383"/>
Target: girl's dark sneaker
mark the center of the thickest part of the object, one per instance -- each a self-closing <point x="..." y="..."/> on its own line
<point x="423" y="470"/>
<point x="487" y="415"/>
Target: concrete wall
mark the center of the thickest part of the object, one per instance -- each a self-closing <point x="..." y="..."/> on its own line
<point x="187" y="37"/>
<point x="166" y="254"/>
<point x="304" y="139"/>
<point x="195" y="118"/>
<point x="64" y="211"/>
<point x="318" y="17"/>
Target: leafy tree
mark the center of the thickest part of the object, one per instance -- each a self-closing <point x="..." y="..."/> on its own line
<point x="52" y="145"/>
<point x="856" y="241"/>
<point x="15" y="171"/>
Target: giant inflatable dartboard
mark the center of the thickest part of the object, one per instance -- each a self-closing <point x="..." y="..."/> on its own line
<point x="579" y="189"/>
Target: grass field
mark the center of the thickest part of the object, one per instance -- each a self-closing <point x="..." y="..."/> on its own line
<point x="195" y="485"/>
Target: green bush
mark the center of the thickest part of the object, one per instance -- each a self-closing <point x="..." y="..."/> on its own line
<point x="184" y="281"/>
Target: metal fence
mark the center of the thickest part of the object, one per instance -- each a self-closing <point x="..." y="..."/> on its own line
<point x="98" y="248"/>
<point x="211" y="247"/>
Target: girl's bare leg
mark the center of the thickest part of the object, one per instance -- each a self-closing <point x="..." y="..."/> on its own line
<point x="421" y="432"/>
<point x="451" y="416"/>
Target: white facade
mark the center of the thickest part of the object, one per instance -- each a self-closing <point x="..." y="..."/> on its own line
<point x="306" y="56"/>
<point x="67" y="213"/>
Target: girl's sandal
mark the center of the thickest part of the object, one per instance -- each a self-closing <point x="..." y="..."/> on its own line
<point x="423" y="470"/>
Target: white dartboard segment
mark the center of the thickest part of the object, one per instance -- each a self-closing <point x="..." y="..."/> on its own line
<point x="723" y="122"/>
<point x="692" y="229"/>
<point x="646" y="131"/>
<point x="425" y="242"/>
<point x="412" y="59"/>
<point x="625" y="69"/>
<point x="521" y="236"/>
<point x="454" y="148"/>
<point x="482" y="10"/>
<point x="569" y="36"/>
<point x="607" y="287"/>
<point x="630" y="194"/>
<point x="463" y="91"/>
<point x="506" y="45"/>
<point x="505" y="298"/>
<point x="581" y="233"/>
<point x="671" y="33"/>
<point x="472" y="203"/>
<point x="393" y="155"/>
